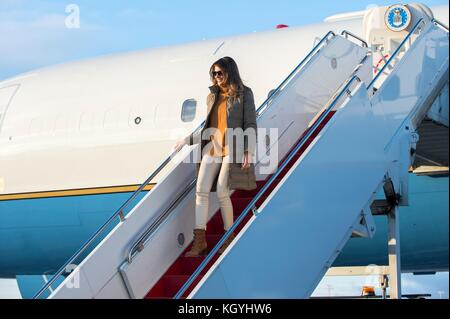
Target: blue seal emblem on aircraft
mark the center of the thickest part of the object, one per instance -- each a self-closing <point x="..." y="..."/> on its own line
<point x="397" y="17"/>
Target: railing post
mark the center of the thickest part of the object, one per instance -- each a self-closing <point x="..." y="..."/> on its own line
<point x="121" y="216"/>
<point x="394" y="254"/>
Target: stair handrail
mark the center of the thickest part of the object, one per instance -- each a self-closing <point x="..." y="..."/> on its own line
<point x="119" y="213"/>
<point x="251" y="205"/>
<point x="439" y="23"/>
<point x="346" y="34"/>
<point x="138" y="245"/>
<point x="261" y="109"/>
<point x="434" y="21"/>
<point x="388" y="62"/>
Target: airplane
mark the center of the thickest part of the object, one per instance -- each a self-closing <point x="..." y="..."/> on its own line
<point x="77" y="139"/>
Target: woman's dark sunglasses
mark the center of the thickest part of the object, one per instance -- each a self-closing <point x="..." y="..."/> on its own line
<point x="218" y="73"/>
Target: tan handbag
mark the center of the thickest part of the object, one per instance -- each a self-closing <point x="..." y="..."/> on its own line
<point x="243" y="179"/>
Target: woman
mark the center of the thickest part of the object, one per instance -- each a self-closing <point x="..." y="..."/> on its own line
<point x="223" y="166"/>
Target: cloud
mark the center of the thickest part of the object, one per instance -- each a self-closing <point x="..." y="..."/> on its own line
<point x="412" y="284"/>
<point x="35" y="35"/>
<point x="30" y="38"/>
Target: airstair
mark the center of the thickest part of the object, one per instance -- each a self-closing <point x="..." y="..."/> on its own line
<point x="334" y="136"/>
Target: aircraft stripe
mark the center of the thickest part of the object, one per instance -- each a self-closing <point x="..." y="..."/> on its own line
<point x="75" y="192"/>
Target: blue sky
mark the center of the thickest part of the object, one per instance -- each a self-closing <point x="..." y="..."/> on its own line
<point x="33" y="34"/>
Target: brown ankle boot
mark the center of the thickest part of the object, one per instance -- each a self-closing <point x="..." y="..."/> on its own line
<point x="226" y="243"/>
<point x="199" y="247"/>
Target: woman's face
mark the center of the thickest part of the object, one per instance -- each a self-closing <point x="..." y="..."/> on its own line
<point x="219" y="75"/>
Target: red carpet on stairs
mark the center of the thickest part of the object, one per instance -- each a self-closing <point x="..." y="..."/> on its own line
<point x="180" y="271"/>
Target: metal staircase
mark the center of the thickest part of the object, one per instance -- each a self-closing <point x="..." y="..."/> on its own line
<point x="341" y="137"/>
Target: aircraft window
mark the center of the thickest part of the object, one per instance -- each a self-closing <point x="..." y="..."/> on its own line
<point x="188" y="110"/>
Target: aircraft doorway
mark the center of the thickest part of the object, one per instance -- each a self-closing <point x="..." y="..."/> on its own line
<point x="6" y="96"/>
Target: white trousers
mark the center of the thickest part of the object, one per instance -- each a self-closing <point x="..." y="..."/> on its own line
<point x="209" y="167"/>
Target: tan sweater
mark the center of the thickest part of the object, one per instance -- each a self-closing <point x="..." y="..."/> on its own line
<point x="218" y="119"/>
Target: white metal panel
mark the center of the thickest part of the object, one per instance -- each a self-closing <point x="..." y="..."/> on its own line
<point x="365" y="71"/>
<point x="75" y="286"/>
<point x="439" y="110"/>
<point x="306" y="95"/>
<point x="414" y="77"/>
<point x="114" y="289"/>
<point x="162" y="250"/>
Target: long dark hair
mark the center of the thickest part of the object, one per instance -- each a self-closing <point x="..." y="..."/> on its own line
<point x="231" y="75"/>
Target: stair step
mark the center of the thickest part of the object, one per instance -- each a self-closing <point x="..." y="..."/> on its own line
<point x="185" y="266"/>
<point x="251" y="194"/>
<point x="212" y="239"/>
<point x="169" y="285"/>
<point x="215" y="224"/>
